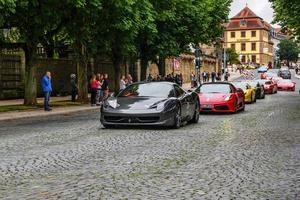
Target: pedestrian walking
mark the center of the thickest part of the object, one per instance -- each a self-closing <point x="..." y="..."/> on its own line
<point x="204" y="76"/>
<point x="94" y="87"/>
<point x="180" y="79"/>
<point x="74" y="88"/>
<point x="149" y="78"/>
<point x="218" y="78"/>
<point x="226" y="76"/>
<point x="192" y="79"/>
<point x="98" y="94"/>
<point x="47" y="89"/>
<point x="123" y="83"/>
<point x="207" y="76"/>
<point x="213" y="76"/>
<point x="105" y="87"/>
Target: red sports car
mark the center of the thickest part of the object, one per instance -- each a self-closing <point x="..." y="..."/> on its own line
<point x="269" y="85"/>
<point x="220" y="97"/>
<point x="286" y="84"/>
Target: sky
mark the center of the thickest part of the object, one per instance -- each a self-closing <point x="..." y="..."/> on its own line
<point x="262" y="8"/>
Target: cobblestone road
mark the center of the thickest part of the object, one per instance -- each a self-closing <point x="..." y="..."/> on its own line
<point x="250" y="155"/>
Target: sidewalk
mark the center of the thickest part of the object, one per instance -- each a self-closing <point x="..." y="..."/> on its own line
<point x="39" y="100"/>
<point x="233" y="77"/>
<point x="13" y="115"/>
<point x="41" y="113"/>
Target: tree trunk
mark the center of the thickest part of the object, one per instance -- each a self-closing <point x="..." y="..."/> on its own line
<point x="144" y="67"/>
<point x="117" y="62"/>
<point x="30" y="76"/>
<point x="82" y="74"/>
<point x="162" y="66"/>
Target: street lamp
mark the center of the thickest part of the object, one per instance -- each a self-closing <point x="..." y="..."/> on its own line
<point x="199" y="59"/>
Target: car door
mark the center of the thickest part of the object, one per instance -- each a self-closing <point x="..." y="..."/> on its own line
<point x="182" y="96"/>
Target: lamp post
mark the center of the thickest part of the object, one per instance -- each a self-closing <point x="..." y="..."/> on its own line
<point x="198" y="63"/>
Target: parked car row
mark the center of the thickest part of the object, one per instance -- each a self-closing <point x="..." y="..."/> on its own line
<point x="167" y="104"/>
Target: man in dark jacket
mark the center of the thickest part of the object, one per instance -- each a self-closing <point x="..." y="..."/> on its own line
<point x="47" y="89"/>
<point x="74" y="88"/>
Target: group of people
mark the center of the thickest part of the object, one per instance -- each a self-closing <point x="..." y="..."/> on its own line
<point x="125" y="81"/>
<point x="99" y="88"/>
<point x="174" y="78"/>
<point x="207" y="77"/>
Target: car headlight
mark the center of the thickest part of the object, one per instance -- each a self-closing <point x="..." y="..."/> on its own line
<point x="228" y="98"/>
<point x="158" y="106"/>
<point x="111" y="104"/>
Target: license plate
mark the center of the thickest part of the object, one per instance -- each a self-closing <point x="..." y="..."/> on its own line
<point x="206" y="106"/>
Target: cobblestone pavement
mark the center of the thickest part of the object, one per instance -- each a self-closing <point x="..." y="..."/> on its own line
<point x="249" y="155"/>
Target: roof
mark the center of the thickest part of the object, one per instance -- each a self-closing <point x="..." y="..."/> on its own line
<point x="245" y="14"/>
<point x="246" y="19"/>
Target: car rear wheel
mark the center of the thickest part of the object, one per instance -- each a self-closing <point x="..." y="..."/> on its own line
<point x="177" y="118"/>
<point x="196" y="114"/>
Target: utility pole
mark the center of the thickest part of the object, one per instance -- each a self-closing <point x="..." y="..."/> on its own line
<point x="198" y="63"/>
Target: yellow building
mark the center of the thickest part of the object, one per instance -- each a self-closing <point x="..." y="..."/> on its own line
<point x="249" y="35"/>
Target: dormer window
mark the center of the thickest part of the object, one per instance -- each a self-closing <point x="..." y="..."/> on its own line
<point x="243" y="22"/>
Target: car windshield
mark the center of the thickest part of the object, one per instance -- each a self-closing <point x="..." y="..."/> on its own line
<point x="285" y="81"/>
<point x="241" y="85"/>
<point x="214" y="88"/>
<point x="160" y="90"/>
<point x="268" y="83"/>
<point x="285" y="71"/>
<point x="253" y="84"/>
<point x="271" y="75"/>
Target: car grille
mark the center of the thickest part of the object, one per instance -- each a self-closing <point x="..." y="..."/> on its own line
<point x="115" y="119"/>
<point x="221" y="108"/>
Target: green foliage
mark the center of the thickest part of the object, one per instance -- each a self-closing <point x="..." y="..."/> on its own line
<point x="233" y="56"/>
<point x="288" y="50"/>
<point x="287" y="14"/>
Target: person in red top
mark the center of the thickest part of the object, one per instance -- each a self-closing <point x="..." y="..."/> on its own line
<point x="263" y="76"/>
<point x="94" y="87"/>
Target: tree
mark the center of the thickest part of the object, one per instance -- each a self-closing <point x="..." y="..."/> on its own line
<point x="178" y="24"/>
<point x="287" y="14"/>
<point x="232" y="56"/>
<point x="33" y="19"/>
<point x="80" y="19"/>
<point x="118" y="27"/>
<point x="288" y="50"/>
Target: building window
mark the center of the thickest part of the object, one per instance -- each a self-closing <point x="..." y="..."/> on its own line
<point x="232" y="34"/>
<point x="253" y="58"/>
<point x="232" y="46"/>
<point x="253" y="46"/>
<point x="253" y="33"/>
<point x="243" y="46"/>
<point x="243" y="58"/>
<point x="243" y="33"/>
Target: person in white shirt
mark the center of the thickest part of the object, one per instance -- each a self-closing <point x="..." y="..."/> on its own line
<point x="122" y="83"/>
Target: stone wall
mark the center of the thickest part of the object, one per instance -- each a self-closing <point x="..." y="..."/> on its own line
<point x="12" y="69"/>
<point x="61" y="70"/>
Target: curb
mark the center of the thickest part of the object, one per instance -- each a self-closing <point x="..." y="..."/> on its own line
<point x="41" y="113"/>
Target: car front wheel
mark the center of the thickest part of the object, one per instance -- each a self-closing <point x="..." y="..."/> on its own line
<point x="177" y="118"/>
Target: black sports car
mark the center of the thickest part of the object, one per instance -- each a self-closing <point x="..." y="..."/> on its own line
<point x="154" y="103"/>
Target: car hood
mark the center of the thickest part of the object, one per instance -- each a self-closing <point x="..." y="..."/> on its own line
<point x="135" y="103"/>
<point x="212" y="97"/>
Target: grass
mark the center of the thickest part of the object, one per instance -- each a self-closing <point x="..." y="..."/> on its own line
<point x="10" y="108"/>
